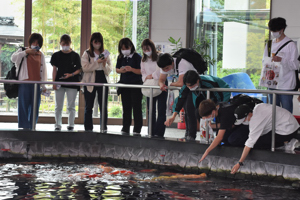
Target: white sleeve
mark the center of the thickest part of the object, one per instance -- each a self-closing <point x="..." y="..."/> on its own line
<point x="290" y="59"/>
<point x="256" y="127"/>
<point x="184" y="66"/>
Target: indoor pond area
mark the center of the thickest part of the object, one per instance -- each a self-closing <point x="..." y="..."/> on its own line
<point x="102" y="180"/>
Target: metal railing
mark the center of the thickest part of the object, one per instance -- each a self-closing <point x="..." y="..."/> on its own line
<point x="273" y="92"/>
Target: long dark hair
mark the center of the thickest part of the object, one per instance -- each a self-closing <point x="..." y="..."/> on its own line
<point x="127" y="43"/>
<point x="150" y="43"/>
<point x="97" y="36"/>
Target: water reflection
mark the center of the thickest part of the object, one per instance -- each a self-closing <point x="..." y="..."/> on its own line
<point x="100" y="181"/>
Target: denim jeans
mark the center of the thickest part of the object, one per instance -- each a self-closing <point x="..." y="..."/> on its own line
<point x="158" y="125"/>
<point x="25" y="105"/>
<point x="284" y="101"/>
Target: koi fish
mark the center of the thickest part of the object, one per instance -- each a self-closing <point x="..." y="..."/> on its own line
<point x="187" y="181"/>
<point x="94" y="175"/>
<point x="25" y="175"/>
<point x="124" y="172"/>
<point x="148" y="170"/>
<point x="168" y="174"/>
<point x="5" y="149"/>
<point x="230" y="189"/>
<point x="176" y="195"/>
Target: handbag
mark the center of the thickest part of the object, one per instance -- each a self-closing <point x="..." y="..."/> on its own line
<point x="12" y="89"/>
<point x="151" y="82"/>
<point x="272" y="71"/>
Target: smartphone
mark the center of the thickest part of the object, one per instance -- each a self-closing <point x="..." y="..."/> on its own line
<point x="101" y="56"/>
<point x="63" y="77"/>
<point x="37" y="48"/>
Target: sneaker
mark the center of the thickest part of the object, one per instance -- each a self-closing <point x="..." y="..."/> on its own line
<point x="136" y="134"/>
<point x="57" y="129"/>
<point x="70" y="128"/>
<point x="291" y="145"/>
<point x="124" y="133"/>
<point x="187" y="139"/>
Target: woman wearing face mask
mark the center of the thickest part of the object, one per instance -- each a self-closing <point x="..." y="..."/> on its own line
<point x="66" y="68"/>
<point x="129" y="66"/>
<point x="288" y="58"/>
<point x="96" y="70"/>
<point x="33" y="68"/>
<point x="150" y="70"/>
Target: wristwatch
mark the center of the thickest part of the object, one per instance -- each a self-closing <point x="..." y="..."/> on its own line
<point x="73" y="74"/>
<point x="241" y="163"/>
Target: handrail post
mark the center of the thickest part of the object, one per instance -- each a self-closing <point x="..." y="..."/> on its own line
<point x="103" y="109"/>
<point x="150" y="113"/>
<point x="207" y="124"/>
<point x="34" y="106"/>
<point x="273" y="121"/>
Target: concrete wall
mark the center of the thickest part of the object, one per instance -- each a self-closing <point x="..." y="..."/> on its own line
<point x="169" y="18"/>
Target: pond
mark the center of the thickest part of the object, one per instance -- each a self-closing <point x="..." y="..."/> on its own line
<point x="40" y="180"/>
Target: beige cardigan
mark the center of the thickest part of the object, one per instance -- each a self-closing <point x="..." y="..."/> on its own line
<point x="89" y="69"/>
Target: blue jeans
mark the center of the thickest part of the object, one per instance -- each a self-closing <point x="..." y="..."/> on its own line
<point x="25" y="105"/>
<point x="284" y="101"/>
<point x="158" y="125"/>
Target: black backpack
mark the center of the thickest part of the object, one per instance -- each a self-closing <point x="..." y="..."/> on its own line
<point x="244" y="99"/>
<point x="11" y="89"/>
<point x="192" y="57"/>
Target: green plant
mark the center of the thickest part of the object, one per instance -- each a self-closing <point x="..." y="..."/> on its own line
<point x="203" y="47"/>
<point x="115" y="111"/>
<point x="176" y="44"/>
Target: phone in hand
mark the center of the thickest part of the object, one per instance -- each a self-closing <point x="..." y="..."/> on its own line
<point x="101" y="56"/>
<point x="37" y="48"/>
<point x="63" y="77"/>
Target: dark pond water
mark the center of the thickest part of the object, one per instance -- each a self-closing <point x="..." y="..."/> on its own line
<point x="36" y="180"/>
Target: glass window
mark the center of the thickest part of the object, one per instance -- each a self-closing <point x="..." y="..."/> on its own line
<point x="116" y="20"/>
<point x="235" y="32"/>
<point x="11" y="36"/>
<point x="52" y="19"/>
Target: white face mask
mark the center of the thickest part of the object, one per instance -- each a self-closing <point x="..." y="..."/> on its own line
<point x="97" y="46"/>
<point x="276" y="34"/>
<point x="65" y="48"/>
<point x="126" y="52"/>
<point x="194" y="88"/>
<point x="210" y="118"/>
<point x="148" y="53"/>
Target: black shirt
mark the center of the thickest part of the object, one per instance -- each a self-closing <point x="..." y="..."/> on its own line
<point x="226" y="116"/>
<point x="66" y="63"/>
<point x="134" y="62"/>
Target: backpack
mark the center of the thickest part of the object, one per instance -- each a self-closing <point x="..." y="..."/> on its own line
<point x="244" y="99"/>
<point x="11" y="89"/>
<point x="192" y="57"/>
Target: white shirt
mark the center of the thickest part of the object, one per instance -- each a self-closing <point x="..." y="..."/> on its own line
<point x="261" y="123"/>
<point x="183" y="67"/>
<point x="289" y="62"/>
<point x="150" y="67"/>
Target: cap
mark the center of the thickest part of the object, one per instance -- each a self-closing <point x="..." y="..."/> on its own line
<point x="241" y="113"/>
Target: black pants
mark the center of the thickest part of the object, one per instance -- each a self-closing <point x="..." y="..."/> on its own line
<point x="190" y="117"/>
<point x="89" y="102"/>
<point x="265" y="141"/>
<point x="158" y="125"/>
<point x="236" y="136"/>
<point x="132" y="100"/>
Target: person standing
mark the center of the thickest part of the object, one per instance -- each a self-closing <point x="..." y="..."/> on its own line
<point x="96" y="70"/>
<point x="288" y="58"/>
<point x="33" y="69"/>
<point x="129" y="66"/>
<point x="150" y="70"/>
<point x="66" y="68"/>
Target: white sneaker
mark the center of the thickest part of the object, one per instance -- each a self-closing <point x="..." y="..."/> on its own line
<point x="291" y="145"/>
